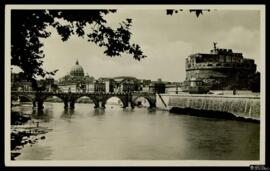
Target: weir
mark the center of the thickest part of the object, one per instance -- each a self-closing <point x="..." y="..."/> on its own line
<point x="241" y="106"/>
<point x="162" y="100"/>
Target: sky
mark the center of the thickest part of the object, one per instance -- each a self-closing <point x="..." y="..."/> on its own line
<point x="166" y="41"/>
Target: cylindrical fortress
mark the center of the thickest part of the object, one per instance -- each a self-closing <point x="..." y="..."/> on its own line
<point x="220" y="69"/>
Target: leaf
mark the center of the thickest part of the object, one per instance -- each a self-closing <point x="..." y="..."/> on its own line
<point x="198" y="12"/>
<point x="28" y="26"/>
<point x="169" y="11"/>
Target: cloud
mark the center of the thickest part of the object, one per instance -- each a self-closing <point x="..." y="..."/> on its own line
<point x="166" y="40"/>
<point x="242" y="40"/>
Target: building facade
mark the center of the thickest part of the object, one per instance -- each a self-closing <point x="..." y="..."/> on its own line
<point x="221" y="69"/>
<point x="20" y="83"/>
<point x="127" y="84"/>
<point x="76" y="81"/>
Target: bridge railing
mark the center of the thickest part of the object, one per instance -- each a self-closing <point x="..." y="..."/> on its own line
<point x="86" y="93"/>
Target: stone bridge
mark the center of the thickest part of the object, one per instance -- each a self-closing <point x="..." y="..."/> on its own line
<point x="98" y="98"/>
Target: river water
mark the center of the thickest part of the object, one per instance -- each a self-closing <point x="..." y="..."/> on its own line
<point x="115" y="133"/>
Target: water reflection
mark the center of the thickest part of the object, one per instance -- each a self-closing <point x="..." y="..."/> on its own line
<point x="151" y="110"/>
<point x="128" y="110"/>
<point x="67" y="114"/>
<point x="44" y="115"/>
<point x="99" y="112"/>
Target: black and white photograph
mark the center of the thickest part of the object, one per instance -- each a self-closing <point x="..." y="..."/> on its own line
<point x="134" y="85"/>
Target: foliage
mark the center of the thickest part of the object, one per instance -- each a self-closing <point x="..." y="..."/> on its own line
<point x="198" y="12"/>
<point x="28" y="26"/>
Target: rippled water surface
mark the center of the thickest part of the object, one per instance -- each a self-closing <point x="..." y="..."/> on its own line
<point x="129" y="134"/>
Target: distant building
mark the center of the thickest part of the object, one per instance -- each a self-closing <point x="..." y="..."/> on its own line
<point x="107" y="83"/>
<point x="76" y="81"/>
<point x="158" y="86"/>
<point x="145" y="84"/>
<point x="173" y="88"/>
<point x="127" y="84"/>
<point x="99" y="86"/>
<point x="47" y="84"/>
<point x="20" y="83"/>
<point x="221" y="69"/>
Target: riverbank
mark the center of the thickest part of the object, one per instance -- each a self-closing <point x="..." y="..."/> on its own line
<point x="209" y="114"/>
<point x="24" y="130"/>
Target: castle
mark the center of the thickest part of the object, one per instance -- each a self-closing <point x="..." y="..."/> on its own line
<point x="221" y="69"/>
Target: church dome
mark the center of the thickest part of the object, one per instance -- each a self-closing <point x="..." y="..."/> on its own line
<point x="77" y="70"/>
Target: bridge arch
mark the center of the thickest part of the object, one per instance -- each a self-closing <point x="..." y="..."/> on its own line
<point x="121" y="98"/>
<point x="140" y="98"/>
<point x="45" y="97"/>
<point x="16" y="97"/>
<point x="83" y="99"/>
<point x="41" y="98"/>
<point x="152" y="102"/>
<point x="91" y="97"/>
<point x="53" y="96"/>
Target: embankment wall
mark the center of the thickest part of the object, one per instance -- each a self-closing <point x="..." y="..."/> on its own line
<point x="239" y="105"/>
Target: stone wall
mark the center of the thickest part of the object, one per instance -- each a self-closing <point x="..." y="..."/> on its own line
<point x="240" y="106"/>
<point x="221" y="78"/>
